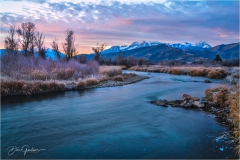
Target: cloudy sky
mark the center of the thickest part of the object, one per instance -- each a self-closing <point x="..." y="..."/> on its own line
<point x="122" y="22"/>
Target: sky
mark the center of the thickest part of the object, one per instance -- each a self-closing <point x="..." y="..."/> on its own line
<point x="118" y="22"/>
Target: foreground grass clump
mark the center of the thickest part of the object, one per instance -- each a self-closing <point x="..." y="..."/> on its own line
<point x="227" y="97"/>
<point x="29" y="88"/>
<point x="91" y="81"/>
<point x="118" y="78"/>
<point x="217" y="73"/>
<point x="219" y="95"/>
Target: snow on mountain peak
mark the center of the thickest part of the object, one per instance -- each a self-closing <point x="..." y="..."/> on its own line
<point x="139" y="44"/>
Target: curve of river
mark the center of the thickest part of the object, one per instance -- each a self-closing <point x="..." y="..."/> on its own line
<point x="115" y="122"/>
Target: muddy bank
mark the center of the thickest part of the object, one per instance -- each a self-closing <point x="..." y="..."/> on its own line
<point x="11" y="88"/>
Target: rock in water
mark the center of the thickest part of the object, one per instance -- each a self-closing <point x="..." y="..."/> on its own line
<point x="198" y="104"/>
<point x="207" y="81"/>
<point x="187" y="97"/>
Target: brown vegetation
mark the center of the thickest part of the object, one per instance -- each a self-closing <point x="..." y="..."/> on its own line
<point x="217" y="73"/>
<point x="110" y="71"/>
<point x="91" y="81"/>
<point x="227" y="97"/>
<point x="29" y="88"/>
<point x="118" y="78"/>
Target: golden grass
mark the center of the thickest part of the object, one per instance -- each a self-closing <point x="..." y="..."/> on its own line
<point x="29" y="88"/>
<point x="228" y="97"/>
<point x="219" y="95"/>
<point x="81" y="84"/>
<point x="118" y="78"/>
<point x="176" y="71"/>
<point x="110" y="70"/>
<point x="103" y="79"/>
<point x="234" y="109"/>
<point x="198" y="72"/>
<point x="217" y="73"/>
<point x="91" y="81"/>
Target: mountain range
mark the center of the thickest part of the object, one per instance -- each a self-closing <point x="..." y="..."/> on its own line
<point x="158" y="51"/>
<point x="183" y="46"/>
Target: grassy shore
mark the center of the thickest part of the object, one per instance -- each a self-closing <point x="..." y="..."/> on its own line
<point x="21" y="75"/>
<point x="210" y="72"/>
<point x="227" y="100"/>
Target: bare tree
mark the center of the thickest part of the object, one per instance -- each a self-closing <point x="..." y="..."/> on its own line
<point x="27" y="32"/>
<point x="97" y="50"/>
<point x="10" y="42"/>
<point x="39" y="43"/>
<point x="69" y="47"/>
<point x="55" y="48"/>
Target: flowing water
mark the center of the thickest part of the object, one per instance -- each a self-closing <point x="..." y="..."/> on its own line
<point x="116" y="122"/>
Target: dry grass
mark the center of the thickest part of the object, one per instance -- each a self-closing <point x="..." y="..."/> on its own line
<point x="29" y="88"/>
<point x="91" y="81"/>
<point x="219" y="95"/>
<point x="81" y="84"/>
<point x="228" y="97"/>
<point x="176" y="71"/>
<point x="217" y="73"/>
<point x="118" y="78"/>
<point x="104" y="79"/>
<point x="110" y="71"/>
<point x="198" y="72"/>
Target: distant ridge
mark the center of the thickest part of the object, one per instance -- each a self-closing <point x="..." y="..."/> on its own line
<point x="183" y="46"/>
<point x="163" y="51"/>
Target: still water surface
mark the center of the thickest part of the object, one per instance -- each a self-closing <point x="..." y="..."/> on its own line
<point x="116" y="122"/>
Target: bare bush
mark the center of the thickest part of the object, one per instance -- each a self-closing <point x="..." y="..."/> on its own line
<point x="97" y="51"/>
<point x="55" y="48"/>
<point x="36" y="68"/>
<point x="11" y="41"/>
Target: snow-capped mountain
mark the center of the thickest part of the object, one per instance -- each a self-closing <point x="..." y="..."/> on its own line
<point x="183" y="46"/>
<point x="193" y="46"/>
<point x="51" y="54"/>
<point x="134" y="45"/>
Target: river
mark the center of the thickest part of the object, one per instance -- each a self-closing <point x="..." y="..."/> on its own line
<point x="115" y="122"/>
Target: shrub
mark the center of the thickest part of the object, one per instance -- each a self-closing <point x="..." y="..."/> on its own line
<point x="36" y="68"/>
<point x="110" y="70"/>
<point x="217" y="73"/>
<point x="81" y="84"/>
<point x="91" y="81"/>
<point x="218" y="95"/>
<point x="118" y="78"/>
<point x="104" y="79"/>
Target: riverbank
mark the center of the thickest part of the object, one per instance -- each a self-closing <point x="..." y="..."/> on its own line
<point x="231" y="74"/>
<point x="221" y="102"/>
<point x="14" y="87"/>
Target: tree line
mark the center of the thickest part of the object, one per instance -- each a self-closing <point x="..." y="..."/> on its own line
<point x="26" y="38"/>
